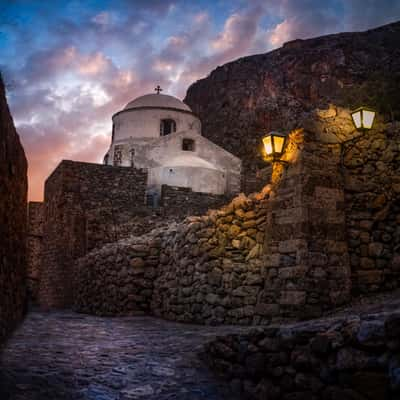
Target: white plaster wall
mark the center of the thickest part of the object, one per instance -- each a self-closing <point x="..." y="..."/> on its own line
<point x="145" y="123"/>
<point x="166" y="152"/>
<point x="199" y="179"/>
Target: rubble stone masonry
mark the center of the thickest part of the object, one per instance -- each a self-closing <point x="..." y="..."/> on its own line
<point x="284" y="252"/>
<point x="178" y="201"/>
<point x="350" y="356"/>
<point x="34" y="246"/>
<point x="84" y="204"/>
<point x="372" y="187"/>
<point x="13" y="192"/>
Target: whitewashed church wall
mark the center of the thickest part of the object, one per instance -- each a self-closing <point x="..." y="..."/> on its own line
<point x="146" y="123"/>
<point x="198" y="179"/>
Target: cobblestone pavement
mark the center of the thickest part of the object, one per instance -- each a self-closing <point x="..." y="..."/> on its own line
<point x="63" y="355"/>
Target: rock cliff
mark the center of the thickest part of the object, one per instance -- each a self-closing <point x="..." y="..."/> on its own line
<point x="240" y="101"/>
<point x="13" y="192"/>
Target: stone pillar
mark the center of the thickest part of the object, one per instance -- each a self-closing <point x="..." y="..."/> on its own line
<point x="306" y="256"/>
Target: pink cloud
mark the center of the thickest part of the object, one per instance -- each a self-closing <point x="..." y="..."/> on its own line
<point x="93" y="64"/>
<point x="66" y="94"/>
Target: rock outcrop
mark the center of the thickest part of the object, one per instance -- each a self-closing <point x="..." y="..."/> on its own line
<point x="242" y="100"/>
<point x="13" y="202"/>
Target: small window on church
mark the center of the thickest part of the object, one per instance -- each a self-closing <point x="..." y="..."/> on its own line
<point x="106" y="157"/>
<point x="188" y="145"/>
<point x="167" y="126"/>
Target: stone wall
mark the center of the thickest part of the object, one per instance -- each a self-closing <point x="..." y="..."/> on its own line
<point x="34" y="246"/>
<point x="349" y="357"/>
<point x="84" y="205"/>
<point x="179" y="202"/>
<point x="118" y="279"/>
<point x="285" y="252"/>
<point x="306" y="253"/>
<point x="13" y="193"/>
<point x="372" y="170"/>
<point x="252" y="183"/>
<point x="279" y="253"/>
<point x="210" y="271"/>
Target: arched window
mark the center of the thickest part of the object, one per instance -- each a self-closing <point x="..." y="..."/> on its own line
<point x="167" y="126"/>
<point x="106" y="158"/>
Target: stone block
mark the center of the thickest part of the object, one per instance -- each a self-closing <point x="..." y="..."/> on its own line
<point x="292" y="297"/>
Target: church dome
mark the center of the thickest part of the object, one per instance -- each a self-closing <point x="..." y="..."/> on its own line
<point x="157" y="101"/>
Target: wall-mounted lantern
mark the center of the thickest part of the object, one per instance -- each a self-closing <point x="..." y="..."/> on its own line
<point x="363" y="118"/>
<point x="274" y="144"/>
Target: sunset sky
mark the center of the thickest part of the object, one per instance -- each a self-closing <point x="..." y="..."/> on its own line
<point x="70" y="65"/>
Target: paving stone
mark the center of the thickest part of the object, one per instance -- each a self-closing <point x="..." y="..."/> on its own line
<point x="62" y="355"/>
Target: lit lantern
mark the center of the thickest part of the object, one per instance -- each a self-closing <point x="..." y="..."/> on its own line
<point x="363" y="118"/>
<point x="274" y="143"/>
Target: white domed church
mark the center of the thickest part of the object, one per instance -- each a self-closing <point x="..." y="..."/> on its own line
<point x="161" y="134"/>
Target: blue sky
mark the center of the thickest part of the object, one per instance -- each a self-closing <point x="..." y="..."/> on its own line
<point x="69" y="65"/>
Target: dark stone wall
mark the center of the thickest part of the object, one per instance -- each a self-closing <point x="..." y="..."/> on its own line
<point x="13" y="202"/>
<point x="179" y="202"/>
<point x="306" y="254"/>
<point x="278" y="253"/>
<point x="34" y="246"/>
<point x="354" y="356"/>
<point x="84" y="205"/>
<point x="118" y="279"/>
<point x="372" y="186"/>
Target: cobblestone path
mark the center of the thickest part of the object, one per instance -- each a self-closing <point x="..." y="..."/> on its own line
<point x="63" y="355"/>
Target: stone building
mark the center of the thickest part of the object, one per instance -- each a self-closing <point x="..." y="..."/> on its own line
<point x="161" y="134"/>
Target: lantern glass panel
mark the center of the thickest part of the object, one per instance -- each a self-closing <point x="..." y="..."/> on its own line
<point x="357" y="118"/>
<point x="368" y="119"/>
<point x="279" y="141"/>
<point x="267" y="140"/>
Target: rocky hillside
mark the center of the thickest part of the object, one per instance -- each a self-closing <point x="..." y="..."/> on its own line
<point x="13" y="191"/>
<point x="240" y="101"/>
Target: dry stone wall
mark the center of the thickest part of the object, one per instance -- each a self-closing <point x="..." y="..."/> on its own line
<point x="285" y="252"/>
<point x="118" y="279"/>
<point x="13" y="194"/>
<point x="306" y="253"/>
<point x="354" y="357"/>
<point x="34" y="246"/>
<point x="84" y="204"/>
<point x="372" y="188"/>
<point x="279" y="253"/>
<point x="210" y="269"/>
<point x="182" y="202"/>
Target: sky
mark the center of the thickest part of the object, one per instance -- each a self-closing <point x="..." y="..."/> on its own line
<point x="70" y="65"/>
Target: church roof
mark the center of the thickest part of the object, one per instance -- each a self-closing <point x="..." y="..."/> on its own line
<point x="157" y="101"/>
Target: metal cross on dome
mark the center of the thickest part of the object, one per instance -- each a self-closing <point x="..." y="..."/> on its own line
<point x="158" y="89"/>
